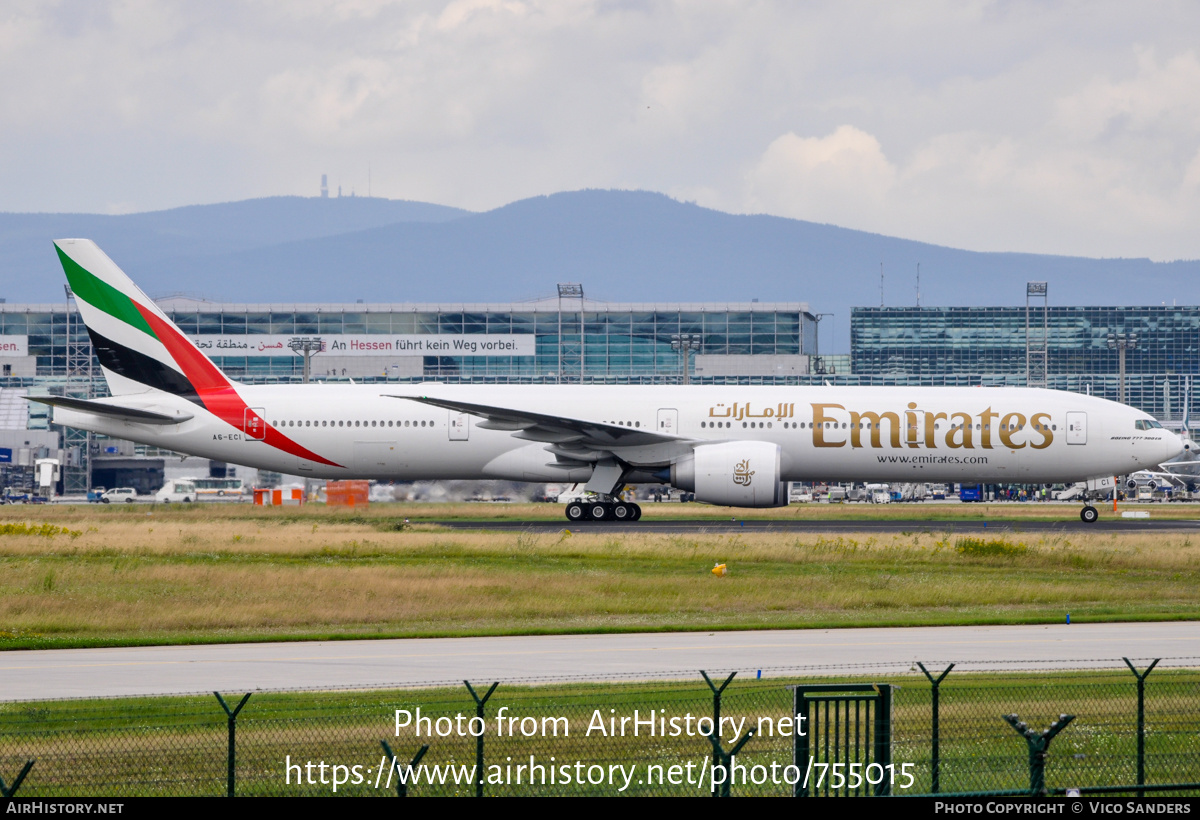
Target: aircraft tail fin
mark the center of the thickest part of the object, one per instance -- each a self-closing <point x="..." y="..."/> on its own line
<point x="139" y="348"/>
<point x="1186" y="421"/>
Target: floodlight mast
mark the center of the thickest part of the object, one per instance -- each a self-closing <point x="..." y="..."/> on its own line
<point x="1037" y="334"/>
<point x="571" y="290"/>
<point x="306" y="346"/>
<point x="683" y="343"/>
<point x="1121" y="342"/>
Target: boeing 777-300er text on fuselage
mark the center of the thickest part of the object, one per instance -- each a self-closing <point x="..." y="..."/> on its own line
<point x="731" y="445"/>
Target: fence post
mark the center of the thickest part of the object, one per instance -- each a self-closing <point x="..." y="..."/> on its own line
<point x="7" y="791"/>
<point x="717" y="714"/>
<point x="230" y="778"/>
<point x="1039" y="744"/>
<point x="479" y="704"/>
<point x="883" y="735"/>
<point x="725" y="760"/>
<point x="402" y="776"/>
<point x="1141" y="719"/>
<point x="937" y="737"/>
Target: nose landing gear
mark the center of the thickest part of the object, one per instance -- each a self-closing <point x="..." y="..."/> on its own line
<point x="1089" y="514"/>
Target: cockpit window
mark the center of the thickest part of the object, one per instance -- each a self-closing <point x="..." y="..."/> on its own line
<point x="1147" y="424"/>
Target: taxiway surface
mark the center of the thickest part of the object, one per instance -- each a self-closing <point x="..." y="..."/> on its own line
<point x="66" y="673"/>
<point x="830" y="525"/>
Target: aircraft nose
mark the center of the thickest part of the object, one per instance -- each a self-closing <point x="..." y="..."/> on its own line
<point x="1174" y="445"/>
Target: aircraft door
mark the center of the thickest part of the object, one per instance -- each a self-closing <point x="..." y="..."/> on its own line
<point x="459" y="426"/>
<point x="1077" y="427"/>
<point x="668" y="421"/>
<point x="253" y="425"/>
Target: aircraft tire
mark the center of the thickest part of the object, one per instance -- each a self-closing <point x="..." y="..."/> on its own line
<point x="1089" y="514"/>
<point x="599" y="512"/>
<point x="637" y="512"/>
<point x="622" y="511"/>
<point x="575" y="512"/>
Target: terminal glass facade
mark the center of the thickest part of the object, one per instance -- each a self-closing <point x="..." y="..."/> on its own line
<point x="986" y="345"/>
<point x="991" y="340"/>
<point x="601" y="342"/>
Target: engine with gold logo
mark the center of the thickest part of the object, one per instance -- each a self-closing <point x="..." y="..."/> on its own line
<point x="733" y="473"/>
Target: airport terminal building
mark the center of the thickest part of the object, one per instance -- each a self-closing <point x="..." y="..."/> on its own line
<point x="44" y="348"/>
<point x="1079" y="349"/>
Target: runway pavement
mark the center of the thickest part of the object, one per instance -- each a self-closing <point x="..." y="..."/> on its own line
<point x="1071" y="525"/>
<point x="28" y="675"/>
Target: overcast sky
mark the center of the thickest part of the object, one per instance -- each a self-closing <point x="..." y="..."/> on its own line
<point x="1027" y="126"/>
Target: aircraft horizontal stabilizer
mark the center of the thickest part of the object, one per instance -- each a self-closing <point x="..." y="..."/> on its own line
<point x="111" y="410"/>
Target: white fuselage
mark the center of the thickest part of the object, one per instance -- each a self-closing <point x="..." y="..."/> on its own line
<point x="1013" y="435"/>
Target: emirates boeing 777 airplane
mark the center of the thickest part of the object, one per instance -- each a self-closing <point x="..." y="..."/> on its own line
<point x="731" y="445"/>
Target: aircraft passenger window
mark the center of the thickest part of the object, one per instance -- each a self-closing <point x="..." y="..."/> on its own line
<point x="1053" y="426"/>
<point x="701" y="425"/>
<point x="743" y="425"/>
<point x="637" y="424"/>
<point x="322" y="424"/>
<point x="389" y="422"/>
<point x="768" y="424"/>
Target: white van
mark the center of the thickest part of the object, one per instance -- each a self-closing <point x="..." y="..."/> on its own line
<point x="176" y="491"/>
<point x="119" y="494"/>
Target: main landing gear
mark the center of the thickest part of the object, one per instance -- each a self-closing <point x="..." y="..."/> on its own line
<point x="1089" y="514"/>
<point x="603" y="511"/>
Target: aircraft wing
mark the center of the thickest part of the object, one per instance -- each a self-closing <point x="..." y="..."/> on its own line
<point x="1178" y="479"/>
<point x="567" y="433"/>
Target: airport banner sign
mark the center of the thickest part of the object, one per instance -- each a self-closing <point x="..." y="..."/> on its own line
<point x="14" y="345"/>
<point x="370" y="344"/>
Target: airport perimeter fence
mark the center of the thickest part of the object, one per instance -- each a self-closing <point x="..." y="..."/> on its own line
<point x="953" y="730"/>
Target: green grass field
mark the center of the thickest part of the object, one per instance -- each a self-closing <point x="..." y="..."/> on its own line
<point x="88" y="576"/>
<point x="177" y="746"/>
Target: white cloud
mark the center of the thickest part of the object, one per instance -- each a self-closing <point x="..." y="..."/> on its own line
<point x="842" y="178"/>
<point x="1015" y="126"/>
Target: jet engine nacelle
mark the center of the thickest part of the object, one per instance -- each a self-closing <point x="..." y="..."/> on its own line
<point x="1131" y="484"/>
<point x="733" y="474"/>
